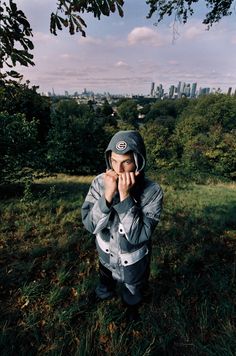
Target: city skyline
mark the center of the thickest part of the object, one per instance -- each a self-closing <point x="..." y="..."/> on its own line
<point x="125" y="55"/>
<point x="159" y="91"/>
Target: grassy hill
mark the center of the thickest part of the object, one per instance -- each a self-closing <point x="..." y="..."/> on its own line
<point x="48" y="265"/>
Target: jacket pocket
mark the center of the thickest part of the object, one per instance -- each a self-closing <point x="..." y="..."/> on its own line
<point x="137" y="272"/>
<point x="135" y="265"/>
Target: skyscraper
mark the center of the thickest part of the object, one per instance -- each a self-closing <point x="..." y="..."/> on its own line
<point x="193" y="90"/>
<point x="152" y="89"/>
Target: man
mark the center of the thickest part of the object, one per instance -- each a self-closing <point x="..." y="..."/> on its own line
<point x="122" y="208"/>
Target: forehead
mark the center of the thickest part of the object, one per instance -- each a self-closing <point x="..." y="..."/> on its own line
<point x="120" y="158"/>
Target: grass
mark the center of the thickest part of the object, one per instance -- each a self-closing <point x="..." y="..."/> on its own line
<point x="48" y="264"/>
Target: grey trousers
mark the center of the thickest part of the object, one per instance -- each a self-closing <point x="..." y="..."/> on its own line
<point x="107" y="286"/>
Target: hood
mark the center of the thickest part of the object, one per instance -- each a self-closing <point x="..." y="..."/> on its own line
<point x="125" y="141"/>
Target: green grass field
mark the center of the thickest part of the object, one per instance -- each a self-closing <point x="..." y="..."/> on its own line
<point x="48" y="265"/>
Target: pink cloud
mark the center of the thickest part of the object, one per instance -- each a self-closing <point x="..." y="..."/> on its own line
<point x="144" y="35"/>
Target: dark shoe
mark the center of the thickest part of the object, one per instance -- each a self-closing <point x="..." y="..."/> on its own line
<point x="93" y="298"/>
<point x="132" y="314"/>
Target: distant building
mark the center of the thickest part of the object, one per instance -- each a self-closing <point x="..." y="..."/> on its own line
<point x="152" y="89"/>
<point x="159" y="91"/>
<point x="229" y="91"/>
<point x="193" y="90"/>
<point x="171" y="91"/>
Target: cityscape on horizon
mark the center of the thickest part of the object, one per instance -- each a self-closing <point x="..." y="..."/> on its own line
<point x="182" y="89"/>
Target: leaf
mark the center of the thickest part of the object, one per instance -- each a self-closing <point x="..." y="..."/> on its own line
<point x="120" y="10"/>
<point x="14" y="74"/>
<point x="74" y="292"/>
<point x="120" y="2"/>
<point x="103" y="339"/>
<point x="13" y="6"/>
<point x="53" y="24"/>
<point x="71" y="26"/>
<point x="105" y="9"/>
<point x="112" y="327"/>
<point x="58" y="23"/>
<point x="25" y="304"/>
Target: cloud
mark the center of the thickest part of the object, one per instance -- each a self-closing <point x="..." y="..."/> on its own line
<point x="44" y="38"/>
<point x="90" y="40"/>
<point x="144" y="35"/>
<point x="193" y="32"/>
<point x="233" y="41"/>
<point x="122" y="64"/>
<point x="67" y="56"/>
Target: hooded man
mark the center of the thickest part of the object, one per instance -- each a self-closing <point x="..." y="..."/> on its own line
<point x="122" y="208"/>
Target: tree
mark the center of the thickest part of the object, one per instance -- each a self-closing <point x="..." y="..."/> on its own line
<point x="76" y="139"/>
<point x="128" y="112"/>
<point x="160" y="150"/>
<point x="18" y="147"/>
<point x="182" y="10"/>
<point x="20" y="98"/>
<point x="205" y="135"/>
<point x="15" y="33"/>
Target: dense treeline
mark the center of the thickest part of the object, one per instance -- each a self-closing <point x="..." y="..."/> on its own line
<point x="40" y="134"/>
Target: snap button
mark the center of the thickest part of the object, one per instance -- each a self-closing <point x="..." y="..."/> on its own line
<point x="111" y="255"/>
<point x="125" y="262"/>
<point x="107" y="250"/>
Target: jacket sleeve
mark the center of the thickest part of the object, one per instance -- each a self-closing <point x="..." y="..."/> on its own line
<point x="95" y="212"/>
<point x="139" y="223"/>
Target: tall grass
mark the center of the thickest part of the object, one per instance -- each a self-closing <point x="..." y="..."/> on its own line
<point x="48" y="266"/>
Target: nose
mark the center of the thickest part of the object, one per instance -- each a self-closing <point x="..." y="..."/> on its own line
<point x="120" y="168"/>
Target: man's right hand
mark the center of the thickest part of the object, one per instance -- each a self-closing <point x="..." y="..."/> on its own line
<point x="110" y="184"/>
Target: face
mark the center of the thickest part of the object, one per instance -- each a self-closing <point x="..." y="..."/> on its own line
<point x="123" y="163"/>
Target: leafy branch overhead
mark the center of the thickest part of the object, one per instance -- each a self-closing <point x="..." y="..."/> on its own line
<point x="70" y="11"/>
<point x="183" y="9"/>
<point x="15" y="33"/>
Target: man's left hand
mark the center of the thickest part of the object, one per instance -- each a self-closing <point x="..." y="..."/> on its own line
<point x="126" y="181"/>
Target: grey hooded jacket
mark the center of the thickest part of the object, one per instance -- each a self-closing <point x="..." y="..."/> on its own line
<point x="123" y="229"/>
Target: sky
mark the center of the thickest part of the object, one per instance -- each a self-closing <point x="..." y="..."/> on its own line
<point x="125" y="55"/>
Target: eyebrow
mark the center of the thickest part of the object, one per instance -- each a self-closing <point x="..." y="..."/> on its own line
<point x="125" y="160"/>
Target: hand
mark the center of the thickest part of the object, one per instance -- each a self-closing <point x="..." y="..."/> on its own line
<point x="125" y="182"/>
<point x="110" y="184"/>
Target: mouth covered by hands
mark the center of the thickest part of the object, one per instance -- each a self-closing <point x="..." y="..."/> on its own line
<point x="121" y="182"/>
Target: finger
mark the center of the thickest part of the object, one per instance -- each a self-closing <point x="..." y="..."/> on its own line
<point x="137" y="173"/>
<point x="132" y="178"/>
<point x="128" y="179"/>
<point x="111" y="173"/>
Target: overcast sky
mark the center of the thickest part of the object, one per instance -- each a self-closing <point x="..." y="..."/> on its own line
<point x="125" y="55"/>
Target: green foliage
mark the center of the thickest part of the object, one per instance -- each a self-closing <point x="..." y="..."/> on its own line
<point x="70" y="11"/>
<point x="182" y="10"/>
<point x="18" y="142"/>
<point x="21" y="98"/>
<point x="76" y="139"/>
<point x="206" y="135"/>
<point x="160" y="149"/>
<point x="128" y="112"/>
<point x="15" y="32"/>
<point x="195" y="135"/>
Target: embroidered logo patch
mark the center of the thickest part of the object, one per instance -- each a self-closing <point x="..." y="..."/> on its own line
<point x="121" y="145"/>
